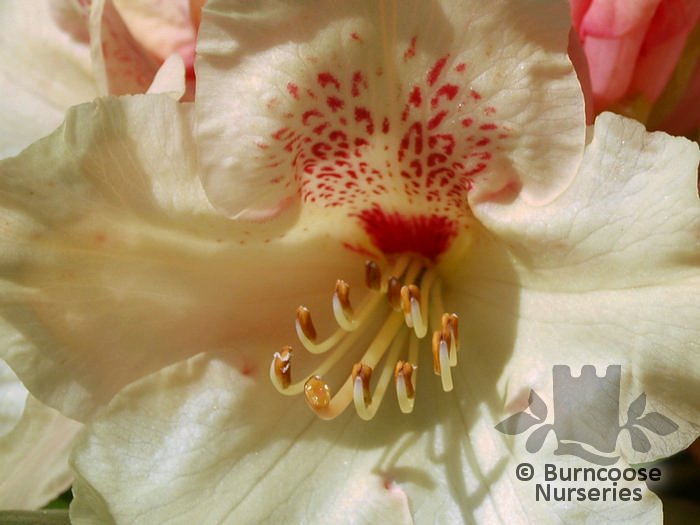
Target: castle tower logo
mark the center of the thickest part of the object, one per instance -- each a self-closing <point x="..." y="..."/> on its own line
<point x="587" y="417"/>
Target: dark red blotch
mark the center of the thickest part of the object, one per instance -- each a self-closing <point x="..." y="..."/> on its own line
<point x="396" y="233"/>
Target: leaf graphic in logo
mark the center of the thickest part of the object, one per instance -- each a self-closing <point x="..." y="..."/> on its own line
<point x="657" y="423"/>
<point x="636" y="409"/>
<point x="537" y="406"/>
<point x="517" y="423"/>
<point x="536" y="439"/>
<point x="640" y="443"/>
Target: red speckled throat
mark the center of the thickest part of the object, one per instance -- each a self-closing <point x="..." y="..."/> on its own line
<point x="403" y="169"/>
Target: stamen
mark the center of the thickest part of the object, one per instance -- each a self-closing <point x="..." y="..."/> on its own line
<point x="425" y="292"/>
<point x="383" y="339"/>
<point x="328" y="363"/>
<point x="374" y="353"/>
<point x="413" y="271"/>
<point x="366" y="403"/>
<point x="405" y="387"/>
<point x="414" y="295"/>
<point x="342" y="309"/>
<point x="305" y="323"/>
<point x="445" y="370"/>
<point x="281" y="368"/>
<point x="406" y="378"/>
<point x="406" y="298"/>
<point x="373" y="276"/>
<point x="441" y="359"/>
<point x="413" y="353"/>
<point x="437" y="335"/>
<point x="413" y="310"/>
<point x="400" y="266"/>
<point x="393" y="293"/>
<point x="307" y="333"/>
<point x="305" y="327"/>
<point x="450" y="324"/>
<point x="361" y="375"/>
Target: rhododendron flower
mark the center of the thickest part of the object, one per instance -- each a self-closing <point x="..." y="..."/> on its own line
<point x="155" y="253"/>
<point x="633" y="49"/>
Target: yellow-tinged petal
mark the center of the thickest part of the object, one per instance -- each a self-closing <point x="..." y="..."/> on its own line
<point x="630" y="218"/>
<point x="12" y="398"/>
<point x="44" y="69"/>
<point x="35" y="442"/>
<point x="114" y="264"/>
<point x="213" y="424"/>
<point x="362" y="101"/>
<point x="608" y="273"/>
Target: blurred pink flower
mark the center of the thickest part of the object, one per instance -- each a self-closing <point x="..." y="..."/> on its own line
<point x="55" y="54"/>
<point x="632" y="50"/>
<point x="131" y="39"/>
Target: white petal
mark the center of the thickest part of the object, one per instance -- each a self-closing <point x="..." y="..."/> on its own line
<point x="651" y="331"/>
<point x="44" y="69"/>
<point x="35" y="442"/>
<point x="479" y="94"/>
<point x="607" y="274"/>
<point x="629" y="219"/>
<point x="114" y="264"/>
<point x="207" y="441"/>
<point x="34" y="457"/>
<point x="12" y="398"/>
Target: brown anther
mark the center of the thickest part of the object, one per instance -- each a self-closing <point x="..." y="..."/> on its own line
<point x="364" y="372"/>
<point x="317" y="393"/>
<point x="306" y="324"/>
<point x="283" y="366"/>
<point x="405" y="370"/>
<point x="409" y="292"/>
<point x="438" y="337"/>
<point x="451" y="322"/>
<point x="342" y="292"/>
<point x="373" y="276"/>
<point x="447" y="337"/>
<point x="393" y="293"/>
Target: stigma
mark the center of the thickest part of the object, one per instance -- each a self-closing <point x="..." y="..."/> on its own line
<point x="376" y="344"/>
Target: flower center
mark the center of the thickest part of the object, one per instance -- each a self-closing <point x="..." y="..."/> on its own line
<point x="395" y="317"/>
<point x="397" y="146"/>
